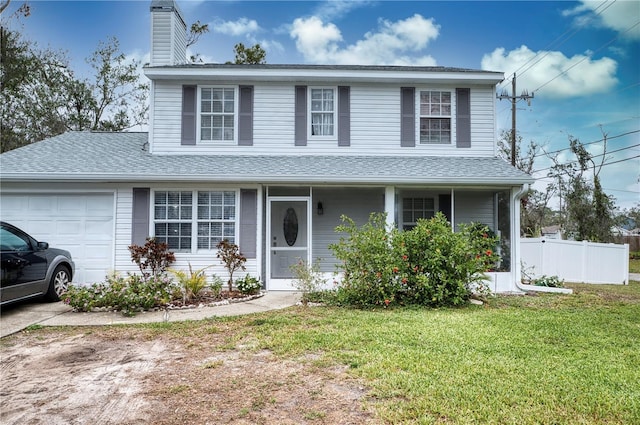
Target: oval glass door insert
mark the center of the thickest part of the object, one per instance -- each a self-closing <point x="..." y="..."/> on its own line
<point x="290" y="226"/>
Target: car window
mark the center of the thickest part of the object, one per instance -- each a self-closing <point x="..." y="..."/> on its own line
<point x="9" y="241"/>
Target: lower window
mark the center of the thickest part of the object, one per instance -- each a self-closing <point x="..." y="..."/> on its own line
<point x="209" y="215"/>
<point x="414" y="209"/>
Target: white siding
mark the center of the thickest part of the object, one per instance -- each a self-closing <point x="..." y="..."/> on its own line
<point x="124" y="215"/>
<point x="168" y="39"/>
<point x="160" y="38"/>
<point x="355" y="203"/>
<point x="375" y="124"/>
<point x="470" y="206"/>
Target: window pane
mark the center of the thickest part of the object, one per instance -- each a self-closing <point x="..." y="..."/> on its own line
<point x="160" y="229"/>
<point x="185" y="212"/>
<point x="203" y="229"/>
<point x="160" y="212"/>
<point x="229" y="198"/>
<point x="161" y="198"/>
<point x="216" y="134"/>
<point x="229" y="213"/>
<point x="173" y="212"/>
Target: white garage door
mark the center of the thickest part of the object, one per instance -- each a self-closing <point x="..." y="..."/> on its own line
<point x="82" y="224"/>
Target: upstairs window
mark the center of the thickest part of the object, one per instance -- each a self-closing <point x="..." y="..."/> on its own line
<point x="217" y="114"/>
<point x="323" y="112"/>
<point x="435" y="117"/>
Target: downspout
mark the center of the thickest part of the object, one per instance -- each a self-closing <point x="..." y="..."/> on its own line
<point x="515" y="251"/>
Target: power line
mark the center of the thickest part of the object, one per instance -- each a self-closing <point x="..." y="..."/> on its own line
<point x="593" y="166"/>
<point x="587" y="57"/>
<point x="572" y="31"/>
<point x="586" y="144"/>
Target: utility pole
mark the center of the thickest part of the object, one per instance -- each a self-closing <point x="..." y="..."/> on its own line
<point x="525" y="96"/>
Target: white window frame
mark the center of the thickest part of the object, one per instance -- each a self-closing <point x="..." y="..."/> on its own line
<point x="199" y="115"/>
<point x="194" y="216"/>
<point x="435" y="115"/>
<point x="310" y="113"/>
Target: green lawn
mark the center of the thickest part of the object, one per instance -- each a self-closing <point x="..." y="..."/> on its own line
<point x="634" y="265"/>
<point x="560" y="359"/>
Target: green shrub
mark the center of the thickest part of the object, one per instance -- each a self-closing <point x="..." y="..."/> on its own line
<point x="191" y="283"/>
<point x="549" y="281"/>
<point x="127" y="294"/>
<point x="428" y="265"/>
<point x="307" y="279"/>
<point x="366" y="256"/>
<point x="249" y="285"/>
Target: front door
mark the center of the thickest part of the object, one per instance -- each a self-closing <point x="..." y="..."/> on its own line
<point x="288" y="239"/>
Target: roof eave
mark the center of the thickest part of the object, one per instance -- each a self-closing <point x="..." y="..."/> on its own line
<point x="191" y="73"/>
<point x="264" y="179"/>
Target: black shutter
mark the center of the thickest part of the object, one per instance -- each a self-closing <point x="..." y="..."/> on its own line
<point x="344" y="116"/>
<point x="189" y="107"/>
<point x="245" y="116"/>
<point x="407" y="116"/>
<point x="463" y="118"/>
<point x="248" y="222"/>
<point x="301" y="116"/>
<point x="140" y="215"/>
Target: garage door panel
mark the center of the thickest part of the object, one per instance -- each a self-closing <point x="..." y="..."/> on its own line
<point x="100" y="229"/>
<point x="41" y="204"/>
<point x="79" y="223"/>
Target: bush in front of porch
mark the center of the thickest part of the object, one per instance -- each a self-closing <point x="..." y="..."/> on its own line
<point x="428" y="265"/>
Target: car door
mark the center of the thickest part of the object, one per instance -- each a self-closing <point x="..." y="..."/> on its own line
<point x="24" y="265"/>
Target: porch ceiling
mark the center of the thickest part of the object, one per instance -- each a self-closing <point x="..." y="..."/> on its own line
<point x="103" y="157"/>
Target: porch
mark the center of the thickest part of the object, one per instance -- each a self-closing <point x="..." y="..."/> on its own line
<point x="299" y="222"/>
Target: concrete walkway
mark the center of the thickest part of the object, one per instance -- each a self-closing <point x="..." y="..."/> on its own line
<point x="14" y="319"/>
<point x="634" y="276"/>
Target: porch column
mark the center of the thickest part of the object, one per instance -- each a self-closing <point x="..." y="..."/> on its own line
<point x="390" y="204"/>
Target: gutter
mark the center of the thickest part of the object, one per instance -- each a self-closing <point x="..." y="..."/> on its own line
<point x="517" y="279"/>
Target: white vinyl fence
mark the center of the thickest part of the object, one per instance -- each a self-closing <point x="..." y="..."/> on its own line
<point x="572" y="261"/>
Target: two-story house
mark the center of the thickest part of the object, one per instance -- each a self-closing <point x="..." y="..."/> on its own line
<point x="269" y="157"/>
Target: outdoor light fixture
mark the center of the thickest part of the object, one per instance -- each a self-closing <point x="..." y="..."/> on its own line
<point x="320" y="208"/>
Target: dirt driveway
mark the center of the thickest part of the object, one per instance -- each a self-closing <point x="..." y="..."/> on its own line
<point x="116" y="375"/>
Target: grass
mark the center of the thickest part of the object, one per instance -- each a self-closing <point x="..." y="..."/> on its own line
<point x="519" y="359"/>
<point x="634" y="265"/>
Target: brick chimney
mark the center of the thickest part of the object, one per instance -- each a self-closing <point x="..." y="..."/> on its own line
<point x="168" y="34"/>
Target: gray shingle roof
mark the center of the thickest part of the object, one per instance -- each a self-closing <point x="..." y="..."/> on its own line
<point x="99" y="157"/>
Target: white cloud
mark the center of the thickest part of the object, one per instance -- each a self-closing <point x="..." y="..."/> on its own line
<point x="621" y="16"/>
<point x="584" y="76"/>
<point x="338" y="8"/>
<point x="393" y="43"/>
<point x="242" y="26"/>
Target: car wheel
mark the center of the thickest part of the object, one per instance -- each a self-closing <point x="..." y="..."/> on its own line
<point x="59" y="284"/>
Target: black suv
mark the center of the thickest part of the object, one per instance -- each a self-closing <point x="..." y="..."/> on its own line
<point x="30" y="268"/>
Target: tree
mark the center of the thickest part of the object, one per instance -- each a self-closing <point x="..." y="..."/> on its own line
<point x="534" y="209"/>
<point x="249" y="55"/>
<point x="42" y="97"/>
<point x="196" y="31"/>
<point x="589" y="210"/>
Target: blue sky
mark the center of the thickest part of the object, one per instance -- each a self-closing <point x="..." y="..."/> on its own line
<point x="580" y="59"/>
